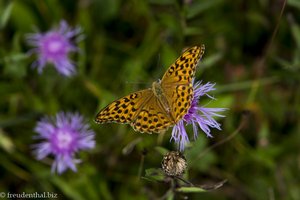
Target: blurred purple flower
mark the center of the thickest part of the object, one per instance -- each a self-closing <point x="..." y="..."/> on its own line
<point x="197" y="116"/>
<point x="63" y="136"/>
<point x="54" y="47"/>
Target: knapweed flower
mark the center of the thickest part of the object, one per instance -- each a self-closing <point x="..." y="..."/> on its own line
<point x="198" y="116"/>
<point x="62" y="137"/>
<point x="54" y="46"/>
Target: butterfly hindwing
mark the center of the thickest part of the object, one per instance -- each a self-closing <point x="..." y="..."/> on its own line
<point x="141" y="109"/>
<point x="152" y="118"/>
<point x="124" y="109"/>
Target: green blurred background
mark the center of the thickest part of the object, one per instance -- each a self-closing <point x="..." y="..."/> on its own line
<point x="128" y="45"/>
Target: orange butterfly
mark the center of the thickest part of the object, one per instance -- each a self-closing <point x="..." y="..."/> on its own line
<point x="156" y="109"/>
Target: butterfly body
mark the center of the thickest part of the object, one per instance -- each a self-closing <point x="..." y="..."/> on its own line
<point x="158" y="91"/>
<point x="157" y="108"/>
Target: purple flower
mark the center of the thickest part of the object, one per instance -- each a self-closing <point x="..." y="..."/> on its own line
<point x="54" y="47"/>
<point x="62" y="137"/>
<point x="197" y="116"/>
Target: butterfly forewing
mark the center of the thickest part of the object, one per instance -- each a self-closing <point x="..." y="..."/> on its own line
<point x="177" y="81"/>
<point x="182" y="71"/>
<point x="180" y="98"/>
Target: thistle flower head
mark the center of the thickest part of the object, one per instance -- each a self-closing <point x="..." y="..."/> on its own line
<point x="62" y="137"/>
<point x="53" y="47"/>
<point x="199" y="116"/>
<point x="174" y="163"/>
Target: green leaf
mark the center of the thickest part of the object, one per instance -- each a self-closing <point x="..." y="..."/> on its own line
<point x="295" y="3"/>
<point x="154" y="174"/>
<point x="211" y="60"/>
<point x="161" y="150"/>
<point x="190" y="31"/>
<point x="194" y="157"/>
<point x="22" y="16"/>
<point x="4" y="15"/>
<point x="296" y="34"/>
<point x="66" y="188"/>
<point x="103" y="187"/>
<point x="162" y="2"/>
<point x="222" y="101"/>
<point x="14" y="65"/>
<point x="190" y="189"/>
<point x="197" y="7"/>
<point x="5" y="142"/>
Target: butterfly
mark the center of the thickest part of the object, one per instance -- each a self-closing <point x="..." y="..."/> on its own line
<point x="157" y="108"/>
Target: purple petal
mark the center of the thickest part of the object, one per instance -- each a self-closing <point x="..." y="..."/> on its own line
<point x="87" y="142"/>
<point x="198" y="116"/>
<point x="45" y="129"/>
<point x="42" y="150"/>
<point x="54" y="46"/>
<point x="179" y="135"/>
<point x="63" y="137"/>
